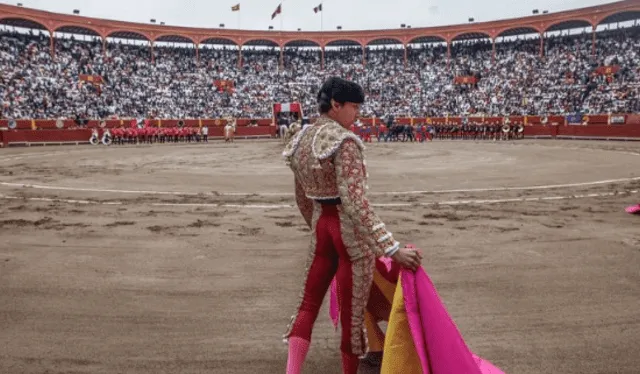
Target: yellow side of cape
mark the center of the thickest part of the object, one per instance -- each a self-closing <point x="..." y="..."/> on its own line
<point x="400" y="356"/>
<point x="375" y="335"/>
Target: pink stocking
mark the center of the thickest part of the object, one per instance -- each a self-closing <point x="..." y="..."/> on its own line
<point x="298" y="349"/>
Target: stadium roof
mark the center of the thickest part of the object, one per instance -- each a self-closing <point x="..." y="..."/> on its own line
<point x="55" y="22"/>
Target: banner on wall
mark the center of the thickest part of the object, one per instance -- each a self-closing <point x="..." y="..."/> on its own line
<point x="286" y="107"/>
<point x="574" y="119"/>
<point x="607" y="70"/>
<point x="468" y="79"/>
<point x="616" y="120"/>
<point x="94" y="79"/>
<point x="223" y="85"/>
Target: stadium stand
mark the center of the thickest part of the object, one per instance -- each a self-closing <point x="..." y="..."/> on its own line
<point x="93" y="69"/>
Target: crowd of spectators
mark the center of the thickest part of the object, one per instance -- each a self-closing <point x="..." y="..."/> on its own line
<point x="175" y="84"/>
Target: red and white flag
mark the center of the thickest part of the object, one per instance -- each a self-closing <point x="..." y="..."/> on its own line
<point x="277" y="11"/>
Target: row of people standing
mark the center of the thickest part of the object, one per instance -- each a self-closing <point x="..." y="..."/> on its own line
<point x="427" y="132"/>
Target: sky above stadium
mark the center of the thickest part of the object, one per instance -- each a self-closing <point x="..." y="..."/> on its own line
<point x="350" y="14"/>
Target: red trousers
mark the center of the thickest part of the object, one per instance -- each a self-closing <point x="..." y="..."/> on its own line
<point x="330" y="259"/>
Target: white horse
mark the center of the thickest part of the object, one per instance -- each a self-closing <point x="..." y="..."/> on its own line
<point x="95" y="137"/>
<point x="107" y="138"/>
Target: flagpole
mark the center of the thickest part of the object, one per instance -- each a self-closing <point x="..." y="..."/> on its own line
<point x="281" y="15"/>
<point x="321" y="16"/>
<point x="239" y="25"/>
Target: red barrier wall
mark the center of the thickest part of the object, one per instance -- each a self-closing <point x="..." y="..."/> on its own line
<point x="597" y="119"/>
<point x="590" y="131"/>
<point x="46" y="124"/>
<point x="597" y="128"/>
<point x="256" y="131"/>
<point x="44" y="136"/>
<point x="9" y="137"/>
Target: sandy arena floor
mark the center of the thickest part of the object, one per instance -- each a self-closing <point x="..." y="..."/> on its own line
<point x="187" y="258"/>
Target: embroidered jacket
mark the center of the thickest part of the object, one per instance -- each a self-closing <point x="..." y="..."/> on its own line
<point x="328" y="163"/>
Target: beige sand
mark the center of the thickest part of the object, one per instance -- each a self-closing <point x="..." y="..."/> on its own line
<point x="147" y="284"/>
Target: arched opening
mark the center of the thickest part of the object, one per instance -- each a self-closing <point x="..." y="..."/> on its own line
<point x="426" y="50"/>
<point x="301" y="43"/>
<point x="342" y="53"/>
<point x="260" y="56"/>
<point x="467" y="36"/>
<point x="218" y="41"/>
<point x="77" y="30"/>
<point x="22" y="31"/>
<point x="302" y="55"/>
<point x="23" y="24"/>
<point x="384" y="51"/>
<point x="342" y="43"/>
<point x="427" y="39"/>
<point x="82" y="45"/>
<point x="127" y="38"/>
<point x="611" y="31"/>
<point x="570" y="27"/>
<point x="629" y="17"/>
<point x="216" y="48"/>
<point x="518" y="39"/>
<point x="426" y="59"/>
<point x="128" y="50"/>
<point x="127" y="35"/>
<point x="260" y="43"/>
<point x="627" y="20"/>
<point x="384" y="41"/>
<point x="219" y="54"/>
<point x="387" y="56"/>
<point x="470" y="55"/>
<point x="176" y="50"/>
<point x="25" y="42"/>
<point x="516" y="31"/>
<point x="571" y="36"/>
<point x="471" y="52"/>
<point x="170" y="38"/>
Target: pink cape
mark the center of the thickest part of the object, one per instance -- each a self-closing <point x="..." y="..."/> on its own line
<point x="438" y="343"/>
<point x="634" y="209"/>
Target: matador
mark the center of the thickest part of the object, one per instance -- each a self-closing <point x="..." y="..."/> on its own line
<point x="347" y="235"/>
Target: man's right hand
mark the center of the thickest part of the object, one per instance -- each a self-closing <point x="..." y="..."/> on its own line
<point x="408" y="258"/>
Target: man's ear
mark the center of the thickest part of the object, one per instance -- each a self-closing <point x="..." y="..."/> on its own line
<point x="334" y="104"/>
